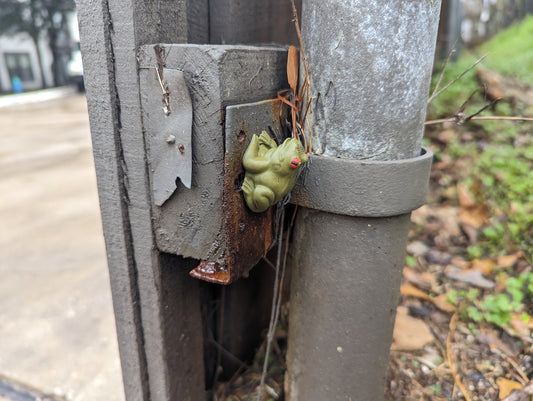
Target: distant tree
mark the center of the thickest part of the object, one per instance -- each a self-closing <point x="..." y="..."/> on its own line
<point x="37" y="17"/>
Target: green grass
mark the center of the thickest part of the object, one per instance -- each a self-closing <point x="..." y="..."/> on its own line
<point x="501" y="152"/>
<point x="511" y="53"/>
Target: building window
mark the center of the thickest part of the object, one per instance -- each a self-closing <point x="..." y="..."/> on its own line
<point x="19" y="65"/>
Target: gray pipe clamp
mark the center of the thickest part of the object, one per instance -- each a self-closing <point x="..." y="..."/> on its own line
<point x="364" y="188"/>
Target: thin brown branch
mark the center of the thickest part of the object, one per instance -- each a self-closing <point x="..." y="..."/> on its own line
<point x="502" y="118"/>
<point x="298" y="32"/>
<point x="452" y="50"/>
<point x="454" y="119"/>
<point x="433" y="96"/>
<point x="274" y="313"/>
<point x="451" y="364"/>
<point x="481" y="110"/>
<point x="306" y="84"/>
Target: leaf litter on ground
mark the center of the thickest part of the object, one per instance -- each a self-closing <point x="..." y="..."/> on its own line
<point x="475" y="238"/>
<point x="469" y="250"/>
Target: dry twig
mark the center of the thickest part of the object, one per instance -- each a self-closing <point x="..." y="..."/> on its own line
<point x="434" y="95"/>
<point x="451" y="364"/>
<point x="452" y="50"/>
<point x="454" y="119"/>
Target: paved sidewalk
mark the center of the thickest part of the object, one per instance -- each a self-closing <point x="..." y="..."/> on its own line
<point x="57" y="332"/>
<point x="40" y="96"/>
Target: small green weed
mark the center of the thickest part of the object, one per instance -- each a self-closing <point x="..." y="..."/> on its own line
<point x="436" y="388"/>
<point x="504" y="172"/>
<point x="496" y="308"/>
<point x="410" y="261"/>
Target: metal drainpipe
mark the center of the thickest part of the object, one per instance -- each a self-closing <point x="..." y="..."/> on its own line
<point x="370" y="68"/>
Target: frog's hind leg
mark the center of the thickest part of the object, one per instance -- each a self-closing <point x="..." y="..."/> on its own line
<point x="260" y="198"/>
<point x="247" y="187"/>
<point x="267" y="141"/>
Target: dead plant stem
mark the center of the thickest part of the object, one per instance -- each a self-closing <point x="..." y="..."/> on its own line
<point x="452" y="50"/>
<point x="451" y="364"/>
<point x="433" y="96"/>
<point x="454" y="119"/>
<point x="274" y="313"/>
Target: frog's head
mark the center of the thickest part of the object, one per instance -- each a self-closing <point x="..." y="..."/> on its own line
<point x="291" y="156"/>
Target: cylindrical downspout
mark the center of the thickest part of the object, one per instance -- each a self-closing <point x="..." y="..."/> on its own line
<point x="370" y="66"/>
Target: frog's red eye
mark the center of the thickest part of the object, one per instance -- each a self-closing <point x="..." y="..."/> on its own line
<point x="295" y="162"/>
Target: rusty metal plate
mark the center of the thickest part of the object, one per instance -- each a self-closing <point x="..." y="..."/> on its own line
<point x="248" y="235"/>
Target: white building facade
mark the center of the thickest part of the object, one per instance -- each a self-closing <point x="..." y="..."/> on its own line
<point x="18" y="58"/>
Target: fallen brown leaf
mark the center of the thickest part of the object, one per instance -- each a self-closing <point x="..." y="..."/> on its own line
<point x="441" y="302"/>
<point x="521" y="394"/>
<point x="498" y="86"/>
<point x="460" y="262"/>
<point x="423" y="280"/>
<point x="485" y="266"/>
<point x="409" y="290"/>
<point x="292" y="68"/>
<point x="508" y="260"/>
<point x="465" y="197"/>
<point x="451" y="364"/>
<point x="522" y="328"/>
<point x="446" y="136"/>
<point x="475" y="215"/>
<point x="471" y="232"/>
<point x="507" y="386"/>
<point x="409" y="333"/>
<point x="441" y="165"/>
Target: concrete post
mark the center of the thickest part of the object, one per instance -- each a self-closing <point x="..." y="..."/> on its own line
<point x="370" y="68"/>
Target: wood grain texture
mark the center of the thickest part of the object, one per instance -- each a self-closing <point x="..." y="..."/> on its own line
<point x="153" y="300"/>
<point x="190" y="223"/>
<point x="104" y="114"/>
<point x="111" y="31"/>
<point x="252" y="22"/>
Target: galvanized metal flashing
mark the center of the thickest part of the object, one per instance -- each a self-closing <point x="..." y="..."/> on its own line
<point x="364" y="188"/>
<point x="170" y="137"/>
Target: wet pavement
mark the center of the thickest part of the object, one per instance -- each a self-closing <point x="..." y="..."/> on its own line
<point x="57" y="330"/>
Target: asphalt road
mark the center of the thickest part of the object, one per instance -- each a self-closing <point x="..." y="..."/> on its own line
<point x="57" y="330"/>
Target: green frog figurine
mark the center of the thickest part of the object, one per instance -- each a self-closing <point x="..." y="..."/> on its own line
<point x="271" y="170"/>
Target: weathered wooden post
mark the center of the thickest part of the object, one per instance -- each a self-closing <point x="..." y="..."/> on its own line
<point x="157" y="304"/>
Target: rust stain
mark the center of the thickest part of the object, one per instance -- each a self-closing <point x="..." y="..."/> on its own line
<point x="212" y="272"/>
<point x="248" y="235"/>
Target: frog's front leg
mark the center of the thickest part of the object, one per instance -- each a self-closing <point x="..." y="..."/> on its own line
<point x="258" y="197"/>
<point x="252" y="162"/>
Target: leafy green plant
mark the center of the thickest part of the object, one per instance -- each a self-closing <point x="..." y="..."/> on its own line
<point x="495" y="308"/>
<point x="504" y="172"/>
